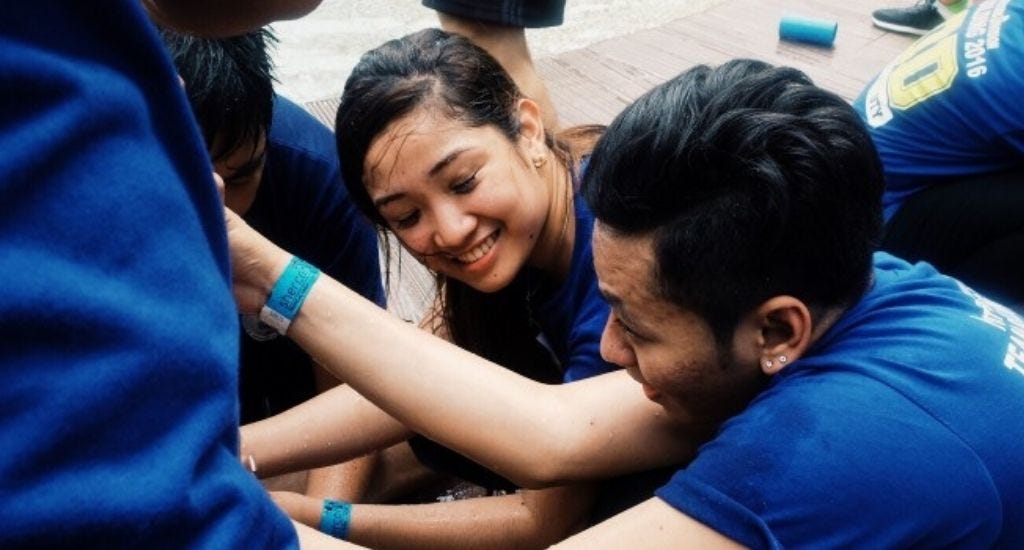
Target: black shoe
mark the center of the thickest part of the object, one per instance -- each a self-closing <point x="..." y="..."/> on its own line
<point x="918" y="19"/>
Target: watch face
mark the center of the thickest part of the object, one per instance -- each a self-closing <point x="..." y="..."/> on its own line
<point x="258" y="330"/>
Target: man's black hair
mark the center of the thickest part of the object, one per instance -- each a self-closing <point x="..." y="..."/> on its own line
<point x="752" y="182"/>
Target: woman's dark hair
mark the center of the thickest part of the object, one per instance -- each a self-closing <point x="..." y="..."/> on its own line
<point x="752" y="182"/>
<point x="432" y="67"/>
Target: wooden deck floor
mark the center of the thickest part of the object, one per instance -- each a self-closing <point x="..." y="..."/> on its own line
<point x="594" y="83"/>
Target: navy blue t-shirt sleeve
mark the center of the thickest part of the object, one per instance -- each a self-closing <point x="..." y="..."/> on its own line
<point x="584" y="359"/>
<point x="577" y="312"/>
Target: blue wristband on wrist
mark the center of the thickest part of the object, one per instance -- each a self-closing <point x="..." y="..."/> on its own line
<point x="335" y="517"/>
<point x="288" y="294"/>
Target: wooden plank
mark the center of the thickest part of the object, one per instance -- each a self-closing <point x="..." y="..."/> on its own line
<point x="737" y="28"/>
<point x="324" y="110"/>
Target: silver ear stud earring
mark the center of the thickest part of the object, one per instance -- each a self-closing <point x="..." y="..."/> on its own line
<point x="783" y="359"/>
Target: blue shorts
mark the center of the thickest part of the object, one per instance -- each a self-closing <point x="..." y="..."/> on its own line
<point x="511" y="13"/>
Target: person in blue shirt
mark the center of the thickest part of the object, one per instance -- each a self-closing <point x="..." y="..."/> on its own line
<point x="863" y="401"/>
<point x="486" y="200"/>
<point x="118" y="334"/>
<point x="281" y="173"/>
<point x="948" y="122"/>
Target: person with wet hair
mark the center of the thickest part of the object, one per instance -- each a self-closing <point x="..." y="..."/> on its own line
<point x="439" y="148"/>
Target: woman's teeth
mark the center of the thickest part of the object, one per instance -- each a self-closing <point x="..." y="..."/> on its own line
<point x="478" y="251"/>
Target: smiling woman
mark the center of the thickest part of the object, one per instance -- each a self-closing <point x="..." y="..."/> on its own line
<point x="464" y="202"/>
<point x="453" y="157"/>
<point x="440" y="149"/>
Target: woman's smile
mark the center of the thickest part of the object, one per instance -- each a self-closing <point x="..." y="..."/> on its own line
<point x="480" y="258"/>
<point x="472" y="205"/>
<point x="479" y="250"/>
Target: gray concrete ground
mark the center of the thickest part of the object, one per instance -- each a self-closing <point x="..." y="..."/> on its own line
<point x="316" y="53"/>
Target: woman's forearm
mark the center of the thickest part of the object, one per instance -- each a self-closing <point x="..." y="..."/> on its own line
<point x="527" y="519"/>
<point x="335" y="426"/>
<point x="532" y="433"/>
<point x="347" y="480"/>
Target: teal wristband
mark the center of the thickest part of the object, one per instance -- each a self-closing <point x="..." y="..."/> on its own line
<point x="335" y="517"/>
<point x="289" y="293"/>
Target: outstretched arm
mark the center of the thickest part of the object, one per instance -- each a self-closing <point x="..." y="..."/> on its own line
<point x="527" y="519"/>
<point x="533" y="434"/>
<point x="335" y="426"/>
<point x="651" y="525"/>
<point x="346" y="480"/>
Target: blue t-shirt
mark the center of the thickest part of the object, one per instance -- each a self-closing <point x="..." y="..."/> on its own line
<point x="902" y="427"/>
<point x="572" y="313"/>
<point x="951" y="104"/>
<point x="118" y="331"/>
<point x="303" y="206"/>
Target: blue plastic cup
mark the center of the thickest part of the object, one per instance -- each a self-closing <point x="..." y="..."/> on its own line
<point x="821" y="32"/>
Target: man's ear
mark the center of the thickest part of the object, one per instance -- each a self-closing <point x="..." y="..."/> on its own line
<point x="531" y="127"/>
<point x="785" y="331"/>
